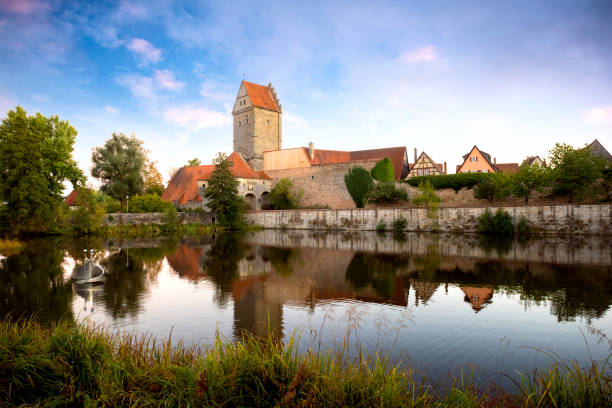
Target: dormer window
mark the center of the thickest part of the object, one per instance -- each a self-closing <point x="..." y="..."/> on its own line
<point x="474" y="158"/>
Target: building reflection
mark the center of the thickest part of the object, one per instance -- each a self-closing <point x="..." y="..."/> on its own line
<point x="478" y="297"/>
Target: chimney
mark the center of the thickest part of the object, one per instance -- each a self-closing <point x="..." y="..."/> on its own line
<point x="495" y="160"/>
<point x="311" y="150"/>
<point x="445" y="168"/>
<point x="415" y="157"/>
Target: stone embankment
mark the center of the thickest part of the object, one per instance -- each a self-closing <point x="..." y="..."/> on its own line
<point x="555" y="219"/>
<point x="155" y="218"/>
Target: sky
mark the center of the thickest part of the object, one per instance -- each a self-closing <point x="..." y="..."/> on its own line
<point x="512" y="77"/>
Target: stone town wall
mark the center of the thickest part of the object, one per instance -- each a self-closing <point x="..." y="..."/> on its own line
<point x="155" y="218"/>
<point x="322" y="185"/>
<point x="560" y="219"/>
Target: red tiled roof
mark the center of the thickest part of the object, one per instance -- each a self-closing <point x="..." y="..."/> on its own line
<point x="396" y="154"/>
<point x="507" y="167"/>
<point x="261" y="96"/>
<point x="183" y="187"/>
<point x="72" y="197"/>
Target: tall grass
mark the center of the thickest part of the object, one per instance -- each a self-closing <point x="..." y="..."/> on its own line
<point x="87" y="365"/>
<point x="10" y="246"/>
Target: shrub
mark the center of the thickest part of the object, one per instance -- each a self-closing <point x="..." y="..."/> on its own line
<point x="387" y="192"/>
<point x="110" y="204"/>
<point x="499" y="224"/>
<point x="485" y="190"/>
<point x="87" y="217"/>
<point x="170" y="218"/>
<point x="148" y="203"/>
<point x="399" y="225"/>
<point x="282" y="196"/>
<point x="454" y="181"/>
<point x="523" y="226"/>
<point x="359" y="184"/>
<point x="426" y="196"/>
<point x="498" y="185"/>
<point x="383" y="170"/>
<point x="381" y="226"/>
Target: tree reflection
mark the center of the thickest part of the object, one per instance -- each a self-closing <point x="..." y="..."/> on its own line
<point x="375" y="270"/>
<point x="221" y="262"/>
<point x="32" y="283"/>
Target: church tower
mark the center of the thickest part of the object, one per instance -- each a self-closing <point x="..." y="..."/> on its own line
<point x="257" y="122"/>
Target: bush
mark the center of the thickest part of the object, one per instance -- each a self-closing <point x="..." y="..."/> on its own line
<point x="499" y="224"/>
<point x="426" y="196"/>
<point x="359" y="184"/>
<point x="497" y="186"/>
<point x="110" y="204"/>
<point x="383" y="170"/>
<point x="387" y="192"/>
<point x="381" y="226"/>
<point x="282" y="197"/>
<point x="399" y="225"/>
<point x="454" y="181"/>
<point x="148" y="203"/>
<point x="87" y="217"/>
<point x="170" y="219"/>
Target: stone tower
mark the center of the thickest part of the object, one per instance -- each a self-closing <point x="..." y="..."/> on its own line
<point x="257" y="122"/>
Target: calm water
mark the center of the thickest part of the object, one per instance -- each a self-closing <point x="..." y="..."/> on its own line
<point x="438" y="302"/>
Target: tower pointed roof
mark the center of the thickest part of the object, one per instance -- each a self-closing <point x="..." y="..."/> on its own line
<point x="262" y="96"/>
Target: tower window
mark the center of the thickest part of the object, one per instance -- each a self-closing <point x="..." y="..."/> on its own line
<point x="239" y="123"/>
<point x="268" y="121"/>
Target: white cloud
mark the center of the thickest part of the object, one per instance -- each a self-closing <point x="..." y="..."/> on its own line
<point x="111" y="109"/>
<point x="144" y="51"/>
<point x="196" y="118"/>
<point x="140" y="86"/>
<point x="421" y="54"/>
<point x="23" y="6"/>
<point x="597" y="115"/>
<point x="211" y="91"/>
<point x="165" y="80"/>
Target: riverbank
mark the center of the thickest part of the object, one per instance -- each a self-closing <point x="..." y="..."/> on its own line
<point x="71" y="364"/>
<point x="566" y="219"/>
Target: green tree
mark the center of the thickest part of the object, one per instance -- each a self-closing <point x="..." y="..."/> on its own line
<point x="383" y="170"/>
<point x="427" y="196"/>
<point x="574" y="171"/>
<point x="527" y="179"/>
<point x="194" y="162"/>
<point x="222" y="194"/>
<point x="359" y="183"/>
<point x="87" y="217"/>
<point x="498" y="185"/>
<point x="35" y="161"/>
<point x="153" y="181"/>
<point x="119" y="165"/>
<point x="282" y="196"/>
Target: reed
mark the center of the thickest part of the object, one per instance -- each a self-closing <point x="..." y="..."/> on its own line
<point x="10" y="246"/>
<point x="80" y="364"/>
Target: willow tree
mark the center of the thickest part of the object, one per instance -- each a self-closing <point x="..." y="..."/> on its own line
<point x="35" y="161"/>
<point x="120" y="165"/>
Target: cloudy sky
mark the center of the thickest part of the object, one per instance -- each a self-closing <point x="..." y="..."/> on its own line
<point x="512" y="77"/>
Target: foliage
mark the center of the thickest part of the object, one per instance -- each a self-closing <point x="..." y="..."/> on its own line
<point x="10" y="246"/>
<point x="485" y="190"/>
<point x="170" y="218"/>
<point x="110" y="204"/>
<point x="359" y="184"/>
<point x="387" y="192"/>
<point x="148" y="203"/>
<point x="222" y="195"/>
<point x="89" y="211"/>
<point x="523" y="226"/>
<point x="194" y="162"/>
<point x="153" y="181"/>
<point x="282" y="197"/>
<point x="527" y="179"/>
<point x="399" y="225"/>
<point x="498" y="224"/>
<point x="119" y="165"/>
<point x="383" y="170"/>
<point x="607" y="183"/>
<point x="427" y="196"/>
<point x="381" y="226"/>
<point x="35" y="161"/>
<point x="498" y="185"/>
<point x="574" y="171"/>
<point x="454" y="181"/>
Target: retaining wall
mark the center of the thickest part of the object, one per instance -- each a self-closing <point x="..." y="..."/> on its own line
<point x="155" y="218"/>
<point x="560" y="219"/>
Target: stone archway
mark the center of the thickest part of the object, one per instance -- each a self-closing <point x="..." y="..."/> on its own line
<point x="264" y="202"/>
<point x="251" y="201"/>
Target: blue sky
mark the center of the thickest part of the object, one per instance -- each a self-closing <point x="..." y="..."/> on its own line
<point x="512" y="77"/>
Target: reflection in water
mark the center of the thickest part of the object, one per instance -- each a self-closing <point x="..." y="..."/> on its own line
<point x="456" y="287"/>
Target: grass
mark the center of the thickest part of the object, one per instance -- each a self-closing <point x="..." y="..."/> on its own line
<point x="153" y="230"/>
<point x="10" y="246"/>
<point x="88" y="366"/>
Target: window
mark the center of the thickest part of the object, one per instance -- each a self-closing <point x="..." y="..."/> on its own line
<point x="474" y="158"/>
<point x="312" y="177"/>
<point x="250" y="185"/>
<point x="268" y="121"/>
<point x="426" y="172"/>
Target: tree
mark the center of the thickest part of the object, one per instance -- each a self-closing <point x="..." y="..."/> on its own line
<point x="87" y="217"/>
<point x="153" y="181"/>
<point x="194" y="162"/>
<point x="119" y="165"/>
<point x="527" y="179"/>
<point x="359" y="183"/>
<point x="35" y="161"/>
<point x="498" y="186"/>
<point x="573" y="171"/>
<point x="383" y="170"/>
<point x="427" y="196"/>
<point x="222" y="194"/>
<point x="282" y="197"/>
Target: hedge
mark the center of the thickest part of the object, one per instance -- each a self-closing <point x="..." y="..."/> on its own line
<point x="454" y="181"/>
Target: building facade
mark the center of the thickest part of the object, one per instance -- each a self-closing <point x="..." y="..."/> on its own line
<point x="478" y="161"/>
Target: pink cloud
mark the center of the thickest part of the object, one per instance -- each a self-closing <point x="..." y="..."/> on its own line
<point x="165" y="80"/>
<point x="144" y="51"/>
<point x="196" y="118"/>
<point x="23" y="6"/>
<point x="599" y="114"/>
<point x="422" y="54"/>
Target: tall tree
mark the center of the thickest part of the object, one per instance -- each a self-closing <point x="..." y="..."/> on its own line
<point x="153" y="181"/>
<point x="35" y="161"/>
<point x="528" y="178"/>
<point x="119" y="165"/>
<point x="222" y="194"/>
<point x="574" y="171"/>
